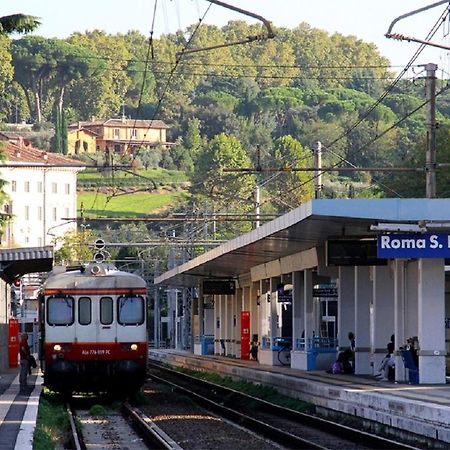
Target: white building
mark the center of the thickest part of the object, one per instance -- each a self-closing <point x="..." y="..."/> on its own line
<point x="41" y="189"/>
<point x="41" y="194"/>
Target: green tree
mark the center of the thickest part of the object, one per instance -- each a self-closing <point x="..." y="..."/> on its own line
<point x="18" y="23"/>
<point x="102" y="94"/>
<point x="226" y="191"/>
<point x="292" y="188"/>
<point x="73" y="247"/>
<point x="45" y="68"/>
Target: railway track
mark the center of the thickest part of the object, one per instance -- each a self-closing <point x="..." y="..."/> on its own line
<point x="289" y="428"/>
<point x="128" y="429"/>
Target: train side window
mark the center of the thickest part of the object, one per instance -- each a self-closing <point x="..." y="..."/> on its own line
<point x="60" y="310"/>
<point x="106" y="310"/>
<point x="130" y="310"/>
<point x="84" y="311"/>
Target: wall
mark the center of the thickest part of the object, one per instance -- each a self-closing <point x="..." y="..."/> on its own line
<point x="39" y="200"/>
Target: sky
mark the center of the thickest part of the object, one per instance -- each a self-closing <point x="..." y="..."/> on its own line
<point x="366" y="19"/>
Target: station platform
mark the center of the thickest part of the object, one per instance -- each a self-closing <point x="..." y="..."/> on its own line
<point x="18" y="412"/>
<point x="420" y="409"/>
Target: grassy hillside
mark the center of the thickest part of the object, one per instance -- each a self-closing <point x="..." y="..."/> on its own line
<point x="151" y="177"/>
<point x="135" y="204"/>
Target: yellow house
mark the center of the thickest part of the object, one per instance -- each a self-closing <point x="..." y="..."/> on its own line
<point x="80" y="141"/>
<point x="123" y="135"/>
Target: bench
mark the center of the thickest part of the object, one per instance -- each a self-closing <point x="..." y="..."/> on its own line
<point x="413" y="370"/>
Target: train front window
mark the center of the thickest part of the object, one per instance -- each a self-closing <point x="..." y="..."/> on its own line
<point x="131" y="310"/>
<point x="84" y="311"/>
<point x="106" y="310"/>
<point x="60" y="310"/>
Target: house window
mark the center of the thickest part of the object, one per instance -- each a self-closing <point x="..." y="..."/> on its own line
<point x="39" y="212"/>
<point x="13" y="186"/>
<point x="67" y="188"/>
<point x="134" y="133"/>
<point x="39" y="186"/>
<point x="27" y="186"/>
<point x="54" y="215"/>
<point x="27" y="213"/>
<point x="116" y="133"/>
<point x="54" y="188"/>
<point x="117" y="148"/>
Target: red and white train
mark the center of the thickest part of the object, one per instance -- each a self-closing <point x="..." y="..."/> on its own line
<point x="93" y="324"/>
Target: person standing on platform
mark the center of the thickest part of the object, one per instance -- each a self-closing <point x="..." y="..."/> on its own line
<point x="24" y="351"/>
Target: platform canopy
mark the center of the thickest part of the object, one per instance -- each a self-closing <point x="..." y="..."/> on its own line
<point x="305" y="227"/>
<point x="15" y="262"/>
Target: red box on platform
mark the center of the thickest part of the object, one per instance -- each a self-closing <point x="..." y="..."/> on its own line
<point x="13" y="343"/>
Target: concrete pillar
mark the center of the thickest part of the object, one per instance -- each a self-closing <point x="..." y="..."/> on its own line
<point x="363" y="301"/>
<point x="273" y="309"/>
<point x="346" y="304"/>
<point x="228" y="323"/>
<point x="255" y="293"/>
<point x="201" y="306"/>
<point x="297" y="308"/>
<point x="308" y="306"/>
<point x="382" y="312"/>
<point x="411" y="309"/>
<point x="399" y="317"/>
<point x="223" y="321"/>
<point x="431" y="305"/>
<point x="239" y="300"/>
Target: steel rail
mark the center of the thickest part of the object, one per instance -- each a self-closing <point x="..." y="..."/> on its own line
<point x="76" y="437"/>
<point x="306" y="419"/>
<point x="255" y="425"/>
<point x="149" y="431"/>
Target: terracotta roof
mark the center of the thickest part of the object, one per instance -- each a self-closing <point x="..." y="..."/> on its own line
<point x="15" y="154"/>
<point x="86" y="130"/>
<point x="122" y="123"/>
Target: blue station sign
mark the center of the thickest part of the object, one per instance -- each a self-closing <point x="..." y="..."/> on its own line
<point x="427" y="245"/>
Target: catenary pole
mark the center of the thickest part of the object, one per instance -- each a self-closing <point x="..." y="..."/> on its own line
<point x="430" y="164"/>
<point x="318" y="171"/>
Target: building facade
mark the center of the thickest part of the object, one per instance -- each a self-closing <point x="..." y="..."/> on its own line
<point x="119" y="136"/>
<point x="41" y="195"/>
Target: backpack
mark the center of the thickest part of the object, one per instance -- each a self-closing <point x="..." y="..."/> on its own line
<point x="336" y="368"/>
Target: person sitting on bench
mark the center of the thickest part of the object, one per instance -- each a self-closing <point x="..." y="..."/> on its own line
<point x="386" y="370"/>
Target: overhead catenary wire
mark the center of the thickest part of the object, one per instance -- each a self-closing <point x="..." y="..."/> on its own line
<point x="336" y="165"/>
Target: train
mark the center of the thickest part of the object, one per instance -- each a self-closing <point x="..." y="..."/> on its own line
<point x="93" y="329"/>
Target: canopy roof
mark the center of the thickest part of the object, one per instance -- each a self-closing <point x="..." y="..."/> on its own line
<point x="305" y="227"/>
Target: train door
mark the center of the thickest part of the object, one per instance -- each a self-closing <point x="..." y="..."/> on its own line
<point x="106" y="320"/>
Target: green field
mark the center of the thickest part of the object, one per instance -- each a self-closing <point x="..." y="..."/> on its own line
<point x="150" y="178"/>
<point x="136" y="204"/>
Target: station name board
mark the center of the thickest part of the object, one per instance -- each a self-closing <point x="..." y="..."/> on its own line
<point x="425" y="245"/>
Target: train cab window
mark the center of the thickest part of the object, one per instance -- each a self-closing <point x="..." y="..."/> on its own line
<point x="130" y="310"/>
<point x="60" y="310"/>
<point x="106" y="310"/>
<point x="84" y="311"/>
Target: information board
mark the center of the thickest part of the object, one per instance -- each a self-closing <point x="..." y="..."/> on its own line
<point x="353" y="252"/>
<point x="219" y="287"/>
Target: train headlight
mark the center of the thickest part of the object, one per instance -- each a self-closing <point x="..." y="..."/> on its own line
<point x="57" y="348"/>
<point x="133" y="347"/>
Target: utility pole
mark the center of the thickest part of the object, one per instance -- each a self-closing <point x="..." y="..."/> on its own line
<point x="318" y="171"/>
<point x="256" y="193"/>
<point x="430" y="164"/>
